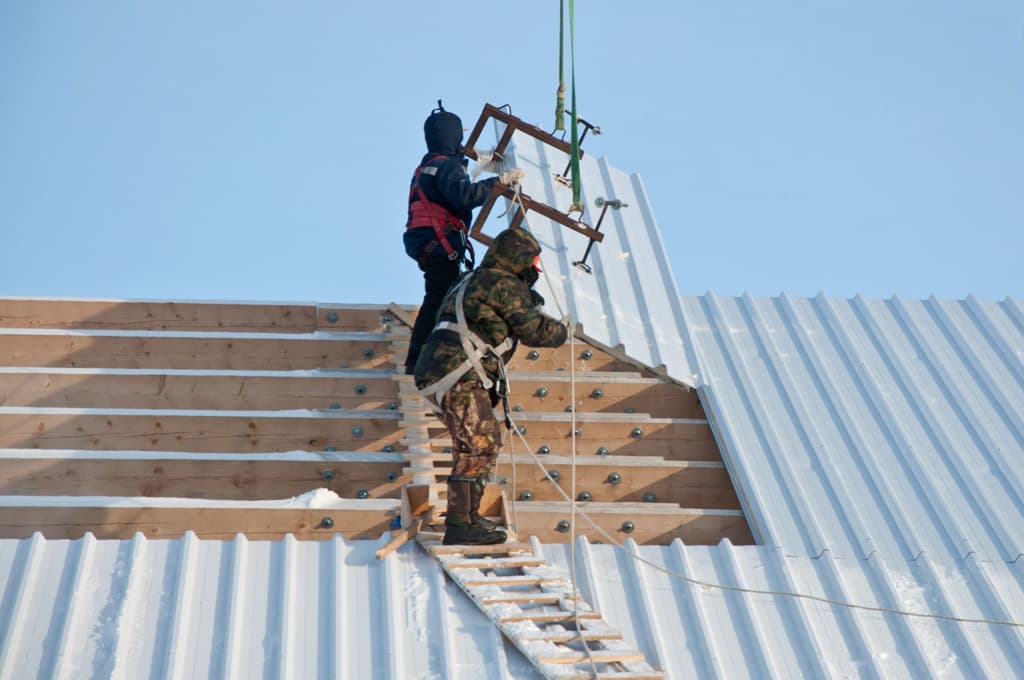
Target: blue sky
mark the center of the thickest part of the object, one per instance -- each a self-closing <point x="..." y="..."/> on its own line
<point x="262" y="150"/>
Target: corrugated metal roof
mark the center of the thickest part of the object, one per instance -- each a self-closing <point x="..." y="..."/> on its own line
<point x="860" y="426"/>
<point x="192" y="608"/>
<point x="630" y="299"/>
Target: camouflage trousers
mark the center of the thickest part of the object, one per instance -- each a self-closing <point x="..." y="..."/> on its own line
<point x="476" y="435"/>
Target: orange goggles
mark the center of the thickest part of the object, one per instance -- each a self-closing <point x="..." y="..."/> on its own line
<point x="536" y="263"/>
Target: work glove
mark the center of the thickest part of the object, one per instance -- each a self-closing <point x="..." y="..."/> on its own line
<point x="510" y="177"/>
<point x="486" y="161"/>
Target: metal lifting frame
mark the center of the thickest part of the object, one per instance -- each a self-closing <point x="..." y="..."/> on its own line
<point x="512" y="124"/>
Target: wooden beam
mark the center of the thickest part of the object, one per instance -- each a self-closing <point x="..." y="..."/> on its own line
<point x="195" y="352"/>
<point x="654" y="523"/>
<point x="211" y="432"/>
<point x="378" y="318"/>
<point x="557" y="359"/>
<point x="107" y="522"/>
<point x="625" y="479"/>
<point x="154" y="389"/>
<point x="121" y="315"/>
<point x="228" y="477"/>
<point x="605" y="394"/>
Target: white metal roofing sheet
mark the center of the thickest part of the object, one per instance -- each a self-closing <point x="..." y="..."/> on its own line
<point x="859" y="425"/>
<point x="190" y="608"/>
<point x="630" y="299"/>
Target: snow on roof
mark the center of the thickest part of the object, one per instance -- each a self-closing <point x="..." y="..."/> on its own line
<point x="194" y="608"/>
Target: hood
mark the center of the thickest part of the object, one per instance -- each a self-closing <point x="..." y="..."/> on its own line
<point x="443" y="133"/>
<point x="513" y="250"/>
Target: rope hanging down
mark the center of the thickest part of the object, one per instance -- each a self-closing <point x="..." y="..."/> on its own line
<point x="574" y="136"/>
<point x="560" y="97"/>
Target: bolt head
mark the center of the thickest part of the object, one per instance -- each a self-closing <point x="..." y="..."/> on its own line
<point x="357" y="431"/>
<point x="526" y="495"/>
<point x="554" y="475"/>
<point x="327" y="475"/>
<point x="586" y="355"/>
<point x="650" y="498"/>
<point x="541" y="392"/>
<point x="368" y="353"/>
<point x="332" y="317"/>
<point x="330" y="448"/>
<point x="521" y="429"/>
<point x="391" y="476"/>
<point x="389" y="448"/>
<point x="562" y="526"/>
<point x="584" y="496"/>
<point x="518" y="408"/>
<point x="636" y="433"/>
<point x="362" y="493"/>
<point x="360" y="389"/>
<point x="596" y="393"/>
<point x="577" y="431"/>
<point x="392" y="405"/>
<point x="602" y="451"/>
<point x="614" y="478"/>
<point x="568" y="408"/>
<point x="628" y="527"/>
<point x="335" y="406"/>
<point x="544" y="449"/>
<point x="327" y="523"/>
<point x="533" y="355"/>
<point x="630" y="409"/>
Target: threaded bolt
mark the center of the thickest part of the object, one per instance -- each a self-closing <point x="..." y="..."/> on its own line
<point x="614" y="478"/>
<point x="628" y="527"/>
<point x="636" y="433"/>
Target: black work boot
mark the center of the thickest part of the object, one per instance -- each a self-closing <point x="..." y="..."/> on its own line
<point x="459" y="527"/>
<point x="477" y="489"/>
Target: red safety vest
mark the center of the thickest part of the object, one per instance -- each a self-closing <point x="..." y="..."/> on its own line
<point x="425" y="213"/>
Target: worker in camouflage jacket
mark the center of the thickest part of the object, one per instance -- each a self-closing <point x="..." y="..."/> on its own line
<point x="499" y="304"/>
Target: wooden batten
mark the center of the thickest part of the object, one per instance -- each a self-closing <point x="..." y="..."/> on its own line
<point x="222" y="523"/>
<point x="227" y="477"/>
<point x="604" y="393"/>
<point x="278" y="353"/>
<point x="658" y="523"/>
<point x="121" y="315"/>
<point x="211" y="433"/>
<point x="82" y="388"/>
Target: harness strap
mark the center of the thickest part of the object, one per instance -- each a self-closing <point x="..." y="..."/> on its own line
<point x="475" y="349"/>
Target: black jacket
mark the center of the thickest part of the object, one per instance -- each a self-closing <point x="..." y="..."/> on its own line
<point x="449" y="184"/>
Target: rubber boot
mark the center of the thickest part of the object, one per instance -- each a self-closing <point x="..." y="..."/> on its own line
<point x="479" y="484"/>
<point x="459" y="529"/>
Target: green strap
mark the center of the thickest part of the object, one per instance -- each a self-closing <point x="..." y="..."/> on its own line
<point x="560" y="98"/>
<point x="574" y="132"/>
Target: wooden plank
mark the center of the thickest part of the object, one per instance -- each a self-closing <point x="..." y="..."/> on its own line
<point x="494" y="563"/>
<point x="496" y="549"/>
<point x="563" y="636"/>
<point x="141" y="351"/>
<point x="657" y="399"/>
<point x="547" y="615"/>
<point x="154" y="389"/>
<point x="64" y="522"/>
<point x="201" y="433"/>
<point x="654" y="523"/>
<point x="600" y="656"/>
<point x="688" y="484"/>
<point x="120" y="315"/>
<point x="504" y="581"/>
<point x="184" y="477"/>
<point x="399" y="539"/>
<point x="362" y="317"/>
<point x="548" y="359"/>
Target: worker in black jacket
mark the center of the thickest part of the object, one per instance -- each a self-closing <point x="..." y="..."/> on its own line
<point x="441" y="202"/>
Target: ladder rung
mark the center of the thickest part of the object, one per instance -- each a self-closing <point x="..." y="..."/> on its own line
<point x="611" y="675"/>
<point x="501" y="581"/>
<point x="496" y="549"/>
<point x="496" y="563"/>
<point x="563" y="636"/>
<point x="524" y="598"/>
<point x="599" y="656"/>
<point x="547" y="616"/>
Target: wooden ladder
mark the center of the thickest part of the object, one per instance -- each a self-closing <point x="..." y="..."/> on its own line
<point x="536" y="610"/>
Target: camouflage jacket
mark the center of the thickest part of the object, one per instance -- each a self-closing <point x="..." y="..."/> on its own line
<point x="498" y="304"/>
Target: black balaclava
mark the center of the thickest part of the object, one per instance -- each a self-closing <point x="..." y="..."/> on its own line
<point x="443" y="131"/>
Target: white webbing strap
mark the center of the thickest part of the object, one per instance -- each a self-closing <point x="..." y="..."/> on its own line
<point x="474" y="347"/>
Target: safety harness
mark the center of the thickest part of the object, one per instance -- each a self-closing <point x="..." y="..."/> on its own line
<point x="476" y="350"/>
<point x="425" y="213"/>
